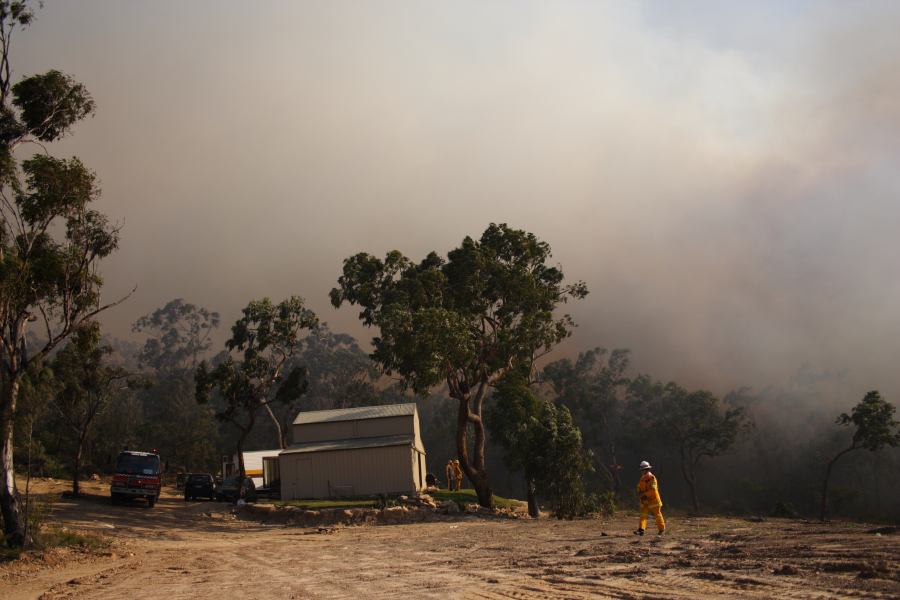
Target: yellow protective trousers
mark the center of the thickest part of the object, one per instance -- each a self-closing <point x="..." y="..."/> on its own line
<point x="656" y="511"/>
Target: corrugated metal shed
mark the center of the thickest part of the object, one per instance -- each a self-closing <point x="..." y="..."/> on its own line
<point x="354" y="451"/>
<point x="352" y="414"/>
<point x="349" y="473"/>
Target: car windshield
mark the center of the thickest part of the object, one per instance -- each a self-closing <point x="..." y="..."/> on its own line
<point x="199" y="479"/>
<point x="137" y="464"/>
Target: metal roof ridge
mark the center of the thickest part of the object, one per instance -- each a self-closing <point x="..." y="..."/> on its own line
<point x="361" y="412"/>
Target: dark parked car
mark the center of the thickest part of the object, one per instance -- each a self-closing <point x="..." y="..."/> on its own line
<point x="199" y="485"/>
<point x="228" y="491"/>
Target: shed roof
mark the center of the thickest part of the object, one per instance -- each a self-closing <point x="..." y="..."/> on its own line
<point x="350" y="444"/>
<point x="353" y="414"/>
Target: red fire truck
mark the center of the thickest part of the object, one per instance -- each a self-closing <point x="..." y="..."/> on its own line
<point x="138" y="475"/>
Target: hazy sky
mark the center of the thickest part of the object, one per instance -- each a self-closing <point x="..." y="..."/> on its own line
<point x="723" y="175"/>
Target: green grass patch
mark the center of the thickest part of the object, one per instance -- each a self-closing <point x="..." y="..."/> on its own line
<point x="323" y="504"/>
<point x="54" y="537"/>
<point x="463" y="497"/>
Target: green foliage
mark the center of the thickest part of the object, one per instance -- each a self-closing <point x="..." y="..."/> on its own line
<point x="561" y="462"/>
<point x="339" y="372"/>
<point x="16" y="12"/>
<point x="51" y="103"/>
<point x="603" y="503"/>
<point x="50" y="239"/>
<point x="491" y="301"/>
<point x="266" y="337"/>
<point x="55" y="537"/>
<point x="873" y="419"/>
<point x="178" y="335"/>
<point x="42" y="271"/>
<point x="464" y="497"/>
<point x="592" y="388"/>
<point x="540" y="438"/>
<point x="463" y="321"/>
<point x="696" y="424"/>
<point x="85" y="387"/>
<point x="513" y="420"/>
<point x="326" y="504"/>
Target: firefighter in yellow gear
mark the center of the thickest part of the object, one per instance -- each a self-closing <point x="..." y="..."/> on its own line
<point x="449" y="472"/>
<point x="457" y="474"/>
<point x="651" y="503"/>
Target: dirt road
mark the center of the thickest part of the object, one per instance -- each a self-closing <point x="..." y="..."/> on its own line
<point x="200" y="550"/>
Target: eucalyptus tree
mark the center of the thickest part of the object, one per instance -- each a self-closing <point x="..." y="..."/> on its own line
<point x="51" y="240"/>
<point x="463" y="321"/>
<point x="178" y="337"/>
<point x="338" y="372"/>
<point x="255" y="370"/>
<point x="540" y="439"/>
<point x="514" y="422"/>
<point x="874" y="428"/>
<point x="341" y="374"/>
<point x="593" y="388"/>
<point x="86" y="385"/>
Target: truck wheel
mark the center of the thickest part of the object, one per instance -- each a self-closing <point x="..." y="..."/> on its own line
<point x="113" y="499"/>
<point x="151" y="501"/>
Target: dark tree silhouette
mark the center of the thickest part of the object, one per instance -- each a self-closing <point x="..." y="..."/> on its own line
<point x="874" y="421"/>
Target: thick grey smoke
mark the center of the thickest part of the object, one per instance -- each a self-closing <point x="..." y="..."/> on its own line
<point x="725" y="181"/>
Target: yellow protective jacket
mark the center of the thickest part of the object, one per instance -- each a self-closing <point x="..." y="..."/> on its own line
<point x="457" y="471"/>
<point x="449" y="470"/>
<point x="648" y="491"/>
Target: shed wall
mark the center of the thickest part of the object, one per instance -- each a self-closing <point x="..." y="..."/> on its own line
<point x="417" y="433"/>
<point x="419" y="468"/>
<point x="363" y="471"/>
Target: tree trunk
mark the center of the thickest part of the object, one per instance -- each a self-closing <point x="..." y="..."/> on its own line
<point x="76" y="468"/>
<point x="694" y="502"/>
<point x="824" y="507"/>
<point x="688" y="474"/>
<point x="612" y="473"/>
<point x="612" y="469"/>
<point x="9" y="497"/>
<point x="242" y="472"/>
<point x="531" y="493"/>
<point x="279" y="431"/>
<point x="28" y="474"/>
<point x="616" y="470"/>
<point x="474" y="468"/>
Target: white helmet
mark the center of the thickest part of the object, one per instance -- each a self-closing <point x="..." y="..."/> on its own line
<point x="645" y="465"/>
